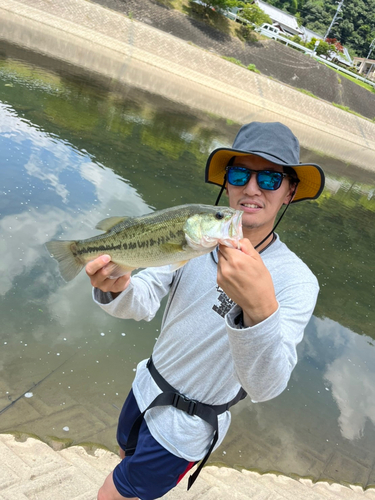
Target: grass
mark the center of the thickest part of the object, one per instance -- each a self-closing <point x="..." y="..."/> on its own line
<point x="234" y="61"/>
<point x="351" y="78"/>
<point x="307" y="92"/>
<point x="346" y="108"/>
<point x="250" y="67"/>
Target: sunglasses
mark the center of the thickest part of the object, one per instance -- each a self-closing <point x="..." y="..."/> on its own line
<point x="266" y="179"/>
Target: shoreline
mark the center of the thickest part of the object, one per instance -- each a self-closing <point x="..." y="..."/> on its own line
<point x="31" y="469"/>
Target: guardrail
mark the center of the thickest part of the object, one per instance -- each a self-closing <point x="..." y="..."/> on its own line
<point x="343" y="70"/>
<point x="312" y="53"/>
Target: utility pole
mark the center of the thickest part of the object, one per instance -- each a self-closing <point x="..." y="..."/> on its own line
<point x="341" y="3"/>
<point x="371" y="48"/>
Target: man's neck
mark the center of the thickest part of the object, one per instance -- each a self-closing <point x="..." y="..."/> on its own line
<point x="255" y="236"/>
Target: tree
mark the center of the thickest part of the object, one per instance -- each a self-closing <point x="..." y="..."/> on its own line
<point x="323" y="49"/>
<point x="221" y="4"/>
<point x="255" y="14"/>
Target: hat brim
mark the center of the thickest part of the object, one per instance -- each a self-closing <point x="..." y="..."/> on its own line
<point x="311" y="176"/>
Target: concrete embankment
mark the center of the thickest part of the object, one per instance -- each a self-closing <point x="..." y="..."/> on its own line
<point x="101" y="40"/>
<point x="272" y="58"/>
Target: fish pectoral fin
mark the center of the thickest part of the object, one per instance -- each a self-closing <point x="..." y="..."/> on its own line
<point x="109" y="223"/>
<point x="177" y="265"/>
<point x="116" y="270"/>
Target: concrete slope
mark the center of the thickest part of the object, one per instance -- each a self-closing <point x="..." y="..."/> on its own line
<point x="32" y="470"/>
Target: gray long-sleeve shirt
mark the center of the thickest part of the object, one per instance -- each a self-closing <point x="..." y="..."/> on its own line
<point x="203" y="353"/>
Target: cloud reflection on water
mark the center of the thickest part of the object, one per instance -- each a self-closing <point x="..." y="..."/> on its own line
<point x="40" y="217"/>
<point x="351" y="375"/>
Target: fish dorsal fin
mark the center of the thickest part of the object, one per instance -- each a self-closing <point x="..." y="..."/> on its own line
<point x="107" y="224"/>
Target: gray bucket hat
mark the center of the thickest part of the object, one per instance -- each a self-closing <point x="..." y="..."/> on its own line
<point x="276" y="143"/>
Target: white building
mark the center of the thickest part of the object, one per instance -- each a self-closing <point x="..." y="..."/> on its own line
<point x="281" y="19"/>
<point x="365" y="67"/>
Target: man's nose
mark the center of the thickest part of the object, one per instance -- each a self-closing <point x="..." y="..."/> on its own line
<point x="252" y="186"/>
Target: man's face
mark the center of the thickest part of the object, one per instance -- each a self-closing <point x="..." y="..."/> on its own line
<point x="260" y="206"/>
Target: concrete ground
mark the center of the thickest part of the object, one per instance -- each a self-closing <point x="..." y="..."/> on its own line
<point x="110" y="43"/>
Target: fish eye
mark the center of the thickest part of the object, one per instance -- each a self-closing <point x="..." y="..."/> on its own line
<point x="219" y="215"/>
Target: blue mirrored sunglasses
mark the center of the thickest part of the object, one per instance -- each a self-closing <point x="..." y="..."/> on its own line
<point x="266" y="179"/>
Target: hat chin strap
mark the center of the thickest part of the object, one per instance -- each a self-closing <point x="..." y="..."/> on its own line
<point x="277" y="223"/>
<point x="221" y="190"/>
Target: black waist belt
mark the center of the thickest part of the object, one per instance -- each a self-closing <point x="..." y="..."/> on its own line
<point x="171" y="397"/>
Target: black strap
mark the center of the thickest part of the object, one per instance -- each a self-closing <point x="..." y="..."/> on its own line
<point x="171" y="397"/>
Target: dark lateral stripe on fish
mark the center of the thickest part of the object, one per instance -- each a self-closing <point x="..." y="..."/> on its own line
<point x="131" y="246"/>
<point x="100" y="248"/>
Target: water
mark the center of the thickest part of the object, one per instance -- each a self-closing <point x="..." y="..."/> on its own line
<point x="76" y="149"/>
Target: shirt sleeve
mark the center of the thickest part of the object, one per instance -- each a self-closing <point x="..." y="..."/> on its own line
<point x="141" y="299"/>
<point x="265" y="354"/>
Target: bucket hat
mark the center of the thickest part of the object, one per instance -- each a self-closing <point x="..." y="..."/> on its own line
<point x="276" y="143"/>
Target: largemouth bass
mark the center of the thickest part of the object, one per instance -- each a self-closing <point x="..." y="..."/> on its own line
<point x="172" y="236"/>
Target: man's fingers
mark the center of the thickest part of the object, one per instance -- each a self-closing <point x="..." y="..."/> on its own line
<point x="95" y="265"/>
<point x="244" y="246"/>
<point x="247" y="247"/>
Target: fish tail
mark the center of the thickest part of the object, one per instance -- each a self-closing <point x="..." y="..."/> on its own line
<point x="70" y="264"/>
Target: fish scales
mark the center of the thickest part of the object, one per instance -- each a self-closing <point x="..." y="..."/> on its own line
<point x="171" y="236"/>
<point x="147" y="233"/>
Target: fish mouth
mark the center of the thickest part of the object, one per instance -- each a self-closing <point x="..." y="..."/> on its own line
<point x="233" y="231"/>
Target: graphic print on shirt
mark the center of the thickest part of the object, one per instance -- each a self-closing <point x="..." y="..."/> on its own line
<point x="225" y="303"/>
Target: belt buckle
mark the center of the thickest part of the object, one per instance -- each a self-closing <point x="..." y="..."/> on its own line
<point x="185" y="404"/>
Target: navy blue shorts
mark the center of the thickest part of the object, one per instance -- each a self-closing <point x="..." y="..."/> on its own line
<point x="152" y="471"/>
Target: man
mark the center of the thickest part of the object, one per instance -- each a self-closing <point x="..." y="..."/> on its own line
<point x="233" y="319"/>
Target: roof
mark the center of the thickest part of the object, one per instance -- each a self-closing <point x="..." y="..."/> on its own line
<point x="309" y="34"/>
<point x="355" y="59"/>
<point x="278" y="15"/>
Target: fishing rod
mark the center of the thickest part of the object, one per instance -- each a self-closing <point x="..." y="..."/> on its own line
<point x="35" y="385"/>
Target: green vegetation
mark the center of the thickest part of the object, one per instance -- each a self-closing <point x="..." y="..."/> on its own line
<point x="221" y="4"/>
<point x="234" y="61"/>
<point x="346" y="108"/>
<point x="353" y="79"/>
<point x="250" y="67"/>
<point x="304" y="91"/>
<point x="321" y="50"/>
<point x="355" y="30"/>
<point x="255" y="14"/>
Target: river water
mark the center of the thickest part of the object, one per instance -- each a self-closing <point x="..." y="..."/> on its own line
<point x="75" y="149"/>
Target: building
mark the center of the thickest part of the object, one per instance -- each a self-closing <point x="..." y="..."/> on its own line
<point x="365" y="67"/>
<point x="286" y="23"/>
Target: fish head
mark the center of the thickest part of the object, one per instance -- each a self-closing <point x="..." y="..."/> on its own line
<point x="212" y="226"/>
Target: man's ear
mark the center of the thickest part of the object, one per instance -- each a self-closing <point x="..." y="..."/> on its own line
<point x="291" y="194"/>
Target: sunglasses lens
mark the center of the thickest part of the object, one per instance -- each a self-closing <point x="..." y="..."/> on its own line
<point x="269" y="180"/>
<point x="238" y="176"/>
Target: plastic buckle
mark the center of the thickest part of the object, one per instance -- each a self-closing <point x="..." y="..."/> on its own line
<point x="185" y="404"/>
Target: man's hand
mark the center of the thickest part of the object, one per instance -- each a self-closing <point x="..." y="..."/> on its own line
<point x="99" y="272"/>
<point x="246" y="280"/>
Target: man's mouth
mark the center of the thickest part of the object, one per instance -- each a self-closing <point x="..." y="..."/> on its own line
<point x="250" y="205"/>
